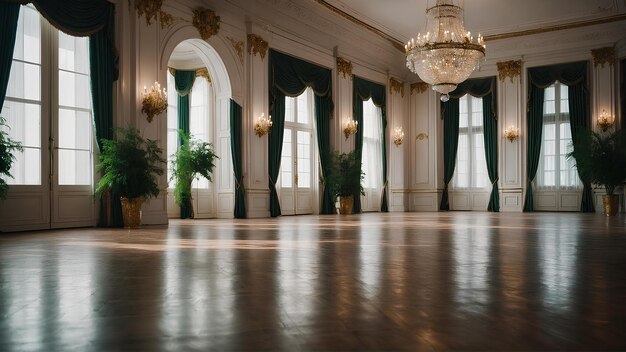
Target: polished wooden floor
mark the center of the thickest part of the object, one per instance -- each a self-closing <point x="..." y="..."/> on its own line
<point x="398" y="281"/>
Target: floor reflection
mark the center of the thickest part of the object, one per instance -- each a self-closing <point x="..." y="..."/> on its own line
<point x="410" y="281"/>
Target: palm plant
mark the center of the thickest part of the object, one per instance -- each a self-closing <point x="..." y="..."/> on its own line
<point x="7" y="147"/>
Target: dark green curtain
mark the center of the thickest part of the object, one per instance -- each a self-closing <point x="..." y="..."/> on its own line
<point x="9" y="14"/>
<point x="324" y="106"/>
<point x="289" y="76"/>
<point x="481" y="88"/>
<point x="236" y="126"/>
<point x="622" y="91"/>
<point x="574" y="75"/>
<point x="78" y="18"/>
<point x="363" y="90"/>
<point x="183" y="81"/>
<point x="450" y="113"/>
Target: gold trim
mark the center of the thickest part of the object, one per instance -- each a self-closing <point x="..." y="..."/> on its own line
<point x="172" y="71"/>
<point x="603" y="56"/>
<point x="396" y="43"/>
<point x="203" y="72"/>
<point x="238" y="46"/>
<point x="422" y="136"/>
<point x="561" y="27"/>
<point x="206" y="22"/>
<point x="420" y="87"/>
<point x="344" y="67"/>
<point x="511" y="69"/>
<point x="149" y="8"/>
<point x="256" y="45"/>
<point x="396" y="86"/>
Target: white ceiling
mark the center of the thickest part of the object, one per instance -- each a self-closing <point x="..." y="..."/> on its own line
<point x="403" y="19"/>
<point x="185" y="57"/>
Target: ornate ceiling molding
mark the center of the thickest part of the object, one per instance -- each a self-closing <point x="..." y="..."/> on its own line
<point x="206" y="22"/>
<point x="257" y="45"/>
<point x="420" y="87"/>
<point x="396" y="86"/>
<point x="603" y="56"/>
<point x="238" y="46"/>
<point x="149" y="8"/>
<point x="511" y="69"/>
<point x="344" y="67"/>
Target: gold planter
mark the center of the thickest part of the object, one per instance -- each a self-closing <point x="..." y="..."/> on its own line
<point x="610" y="204"/>
<point x="131" y="211"/>
<point x="345" y="205"/>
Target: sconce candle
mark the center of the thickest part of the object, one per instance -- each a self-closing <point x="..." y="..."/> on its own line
<point x="605" y="121"/>
<point x="263" y="125"/>
<point x="398" y="136"/>
<point x="511" y="133"/>
<point x="350" y="128"/>
<point x="154" y="101"/>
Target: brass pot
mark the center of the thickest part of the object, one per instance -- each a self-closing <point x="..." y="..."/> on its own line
<point x="345" y="205"/>
<point x="131" y="211"/>
<point x="610" y="204"/>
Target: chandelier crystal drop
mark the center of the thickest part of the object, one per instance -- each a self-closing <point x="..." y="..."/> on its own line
<point x="446" y="54"/>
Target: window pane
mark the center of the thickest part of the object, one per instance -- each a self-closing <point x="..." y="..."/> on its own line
<point x="290" y="109"/>
<point x="286" y="162"/>
<point x="28" y="37"/>
<point x="72" y="167"/>
<point x="24" y="81"/>
<point x="304" y="159"/>
<point x="26" y="168"/>
<point x="303" y="107"/>
<point x="74" y="90"/>
<point x="24" y="125"/>
<point x="73" y="53"/>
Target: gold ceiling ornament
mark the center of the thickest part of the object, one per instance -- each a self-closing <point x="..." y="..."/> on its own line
<point x="206" y="22"/>
<point x="396" y="86"/>
<point x="238" y="46"/>
<point x="256" y="45"/>
<point x="603" y="56"/>
<point x="344" y="67"/>
<point x="511" y="69"/>
<point x="420" y="87"/>
<point x="445" y="55"/>
<point x="149" y="8"/>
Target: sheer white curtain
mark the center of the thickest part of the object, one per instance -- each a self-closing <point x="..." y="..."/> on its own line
<point x="372" y="148"/>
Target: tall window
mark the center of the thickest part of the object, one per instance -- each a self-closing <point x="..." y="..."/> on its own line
<point x="372" y="146"/>
<point x="471" y="167"/>
<point x="199" y="127"/>
<point x="298" y="122"/>
<point x="555" y="171"/>
<point x="33" y="76"/>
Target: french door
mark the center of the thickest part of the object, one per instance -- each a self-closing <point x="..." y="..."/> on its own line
<point x="48" y="109"/>
<point x="296" y="183"/>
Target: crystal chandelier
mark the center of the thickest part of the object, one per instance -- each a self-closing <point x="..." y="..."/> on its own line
<point x="446" y="54"/>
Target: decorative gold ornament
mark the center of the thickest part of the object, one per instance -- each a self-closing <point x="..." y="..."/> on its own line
<point x="203" y="72"/>
<point x="263" y="125"/>
<point x="511" y="133"/>
<point x="256" y="45"/>
<point x="149" y="8"/>
<point x="350" y="128"/>
<point x="396" y="86"/>
<point x="206" y="22"/>
<point x="344" y="67"/>
<point x="131" y="211"/>
<point x="605" y="121"/>
<point x="603" y="56"/>
<point x="398" y="136"/>
<point x="420" y="87"/>
<point x="153" y="102"/>
<point x="165" y="19"/>
<point x="238" y="46"/>
<point x="421" y="136"/>
<point x="511" y="69"/>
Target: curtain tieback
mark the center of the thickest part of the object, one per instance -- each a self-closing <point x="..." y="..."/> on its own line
<point x="272" y="182"/>
<point x="238" y="184"/>
<point x="495" y="181"/>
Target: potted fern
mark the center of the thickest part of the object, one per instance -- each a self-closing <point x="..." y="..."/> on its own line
<point x="7" y="147"/>
<point x="601" y="158"/>
<point x="194" y="158"/>
<point x="130" y="165"/>
<point x="344" y="179"/>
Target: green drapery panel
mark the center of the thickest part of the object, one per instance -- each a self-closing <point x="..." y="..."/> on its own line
<point x="622" y="93"/>
<point x="450" y="113"/>
<point x="183" y="81"/>
<point x="289" y="76"/>
<point x="78" y="18"/>
<point x="539" y="78"/>
<point x="9" y="14"/>
<point x="324" y="106"/>
<point x="236" y="126"/>
<point x="484" y="88"/>
<point x="363" y="90"/>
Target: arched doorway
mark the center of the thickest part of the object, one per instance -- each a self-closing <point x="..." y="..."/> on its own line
<point x="208" y="120"/>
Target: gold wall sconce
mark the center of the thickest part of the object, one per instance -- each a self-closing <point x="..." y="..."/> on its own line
<point x="153" y="101"/>
<point x="511" y="133"/>
<point x="605" y="121"/>
<point x="350" y="128"/>
<point x="263" y="125"/>
<point x="398" y="136"/>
